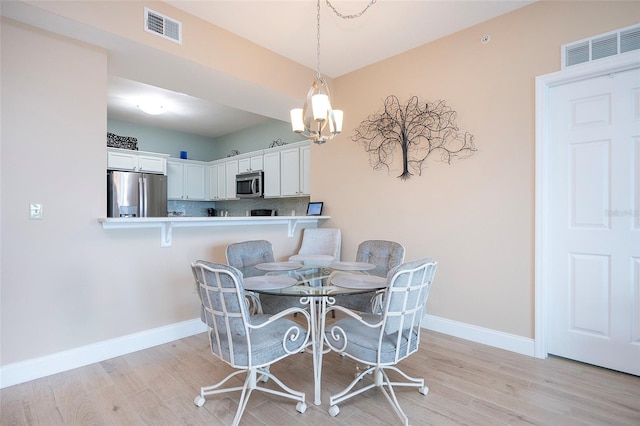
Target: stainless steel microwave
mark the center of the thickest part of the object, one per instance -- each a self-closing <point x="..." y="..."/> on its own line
<point x="249" y="184"/>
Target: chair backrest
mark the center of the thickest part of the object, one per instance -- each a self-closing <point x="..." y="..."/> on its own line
<point x="384" y="254"/>
<point x="247" y="254"/>
<point x="225" y="309"/>
<point x="405" y="302"/>
<point x="325" y="241"/>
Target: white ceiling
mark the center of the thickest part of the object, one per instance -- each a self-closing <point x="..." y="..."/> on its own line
<point x="387" y="28"/>
<point x="288" y="28"/>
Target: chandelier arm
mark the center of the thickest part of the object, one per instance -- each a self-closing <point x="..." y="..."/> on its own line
<point x="354" y="16"/>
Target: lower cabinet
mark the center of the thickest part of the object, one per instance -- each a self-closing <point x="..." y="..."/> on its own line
<point x="186" y="180"/>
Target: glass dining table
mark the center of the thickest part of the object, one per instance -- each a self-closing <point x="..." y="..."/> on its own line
<point x="316" y="286"/>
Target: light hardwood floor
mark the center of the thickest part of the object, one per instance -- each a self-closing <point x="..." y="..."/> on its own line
<point x="469" y="384"/>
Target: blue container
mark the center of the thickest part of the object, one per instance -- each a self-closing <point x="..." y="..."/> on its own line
<point x="183" y="155"/>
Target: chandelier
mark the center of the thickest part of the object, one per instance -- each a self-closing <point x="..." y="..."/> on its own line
<point x="311" y="120"/>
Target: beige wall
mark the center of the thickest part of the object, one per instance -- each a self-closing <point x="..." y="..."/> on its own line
<point x="61" y="288"/>
<point x="475" y="216"/>
<point x="65" y="281"/>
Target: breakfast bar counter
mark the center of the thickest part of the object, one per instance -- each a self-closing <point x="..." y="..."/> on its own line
<point x="166" y="224"/>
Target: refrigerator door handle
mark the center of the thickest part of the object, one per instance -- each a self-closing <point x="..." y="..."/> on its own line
<point x="142" y="202"/>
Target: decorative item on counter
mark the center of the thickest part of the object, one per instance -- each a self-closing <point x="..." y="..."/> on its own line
<point x="234" y="153"/>
<point x="277" y="142"/>
<point x="183" y="155"/>
<point x="123" y="142"/>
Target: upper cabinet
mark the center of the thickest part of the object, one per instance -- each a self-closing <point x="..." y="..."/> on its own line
<point x="137" y="161"/>
<point x="222" y="179"/>
<point x="231" y="170"/>
<point x="305" y="169"/>
<point x="287" y="170"/>
<point x="271" y="167"/>
<point x="250" y="163"/>
<point x="186" y="180"/>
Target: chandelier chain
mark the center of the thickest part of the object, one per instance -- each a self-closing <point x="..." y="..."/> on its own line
<point x="318" y="40"/>
<point x="357" y="15"/>
<point x="354" y="16"/>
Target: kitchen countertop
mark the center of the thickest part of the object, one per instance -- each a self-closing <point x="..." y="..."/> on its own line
<point x="166" y="224"/>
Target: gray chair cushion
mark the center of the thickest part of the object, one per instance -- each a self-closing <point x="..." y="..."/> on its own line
<point x="384" y="255"/>
<point x="245" y="255"/>
<point x="266" y="343"/>
<point x="362" y="342"/>
<point x="402" y="302"/>
<point x="211" y="301"/>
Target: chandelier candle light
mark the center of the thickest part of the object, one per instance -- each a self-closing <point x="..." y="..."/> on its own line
<point x="311" y="120"/>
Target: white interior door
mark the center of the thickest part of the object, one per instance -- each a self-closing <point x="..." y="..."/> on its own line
<point x="593" y="234"/>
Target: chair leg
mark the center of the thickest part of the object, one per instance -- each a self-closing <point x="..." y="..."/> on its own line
<point x="382" y="381"/>
<point x="250" y="384"/>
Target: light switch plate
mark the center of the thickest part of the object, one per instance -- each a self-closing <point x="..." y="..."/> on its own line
<point x="35" y="211"/>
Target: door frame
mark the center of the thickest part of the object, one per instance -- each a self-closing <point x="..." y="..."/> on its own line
<point x="544" y="84"/>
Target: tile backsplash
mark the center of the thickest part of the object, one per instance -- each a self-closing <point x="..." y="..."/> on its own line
<point x="284" y="206"/>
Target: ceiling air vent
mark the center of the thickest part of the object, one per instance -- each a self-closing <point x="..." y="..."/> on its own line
<point x="162" y="25"/>
<point x="601" y="46"/>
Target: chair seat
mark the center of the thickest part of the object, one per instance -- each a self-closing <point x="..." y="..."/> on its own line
<point x="266" y="343"/>
<point x="362" y="341"/>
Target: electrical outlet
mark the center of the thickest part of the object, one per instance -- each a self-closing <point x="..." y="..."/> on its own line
<point x="35" y="211"/>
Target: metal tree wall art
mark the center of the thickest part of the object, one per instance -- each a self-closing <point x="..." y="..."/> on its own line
<point x="418" y="129"/>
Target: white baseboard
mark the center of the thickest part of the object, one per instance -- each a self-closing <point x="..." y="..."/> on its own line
<point x="486" y="336"/>
<point x="20" y="372"/>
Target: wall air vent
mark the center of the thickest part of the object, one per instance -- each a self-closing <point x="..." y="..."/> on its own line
<point x="601" y="46"/>
<point x="162" y="25"/>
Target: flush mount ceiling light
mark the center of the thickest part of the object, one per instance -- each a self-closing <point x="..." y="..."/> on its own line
<point x="311" y="120"/>
<point x="151" y="107"/>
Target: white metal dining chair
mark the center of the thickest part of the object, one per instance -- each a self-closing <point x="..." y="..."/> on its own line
<point x="319" y="247"/>
<point x="245" y="255"/>
<point x="380" y="341"/>
<point x="247" y="343"/>
<point x="385" y="255"/>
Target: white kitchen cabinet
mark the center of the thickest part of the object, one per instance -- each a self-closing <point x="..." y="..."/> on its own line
<point x="290" y="172"/>
<point x="231" y="170"/>
<point x="213" y="181"/>
<point x="295" y="171"/>
<point x="137" y="161"/>
<point x="217" y="181"/>
<point x="186" y="180"/>
<point x="271" y="164"/>
<point x="305" y="170"/>
<point x="222" y="181"/>
<point x="287" y="170"/>
<point x="250" y="164"/>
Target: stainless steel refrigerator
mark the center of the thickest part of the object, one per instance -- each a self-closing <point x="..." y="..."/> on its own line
<point x="132" y="194"/>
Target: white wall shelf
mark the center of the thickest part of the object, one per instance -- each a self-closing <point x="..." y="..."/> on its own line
<point x="166" y="224"/>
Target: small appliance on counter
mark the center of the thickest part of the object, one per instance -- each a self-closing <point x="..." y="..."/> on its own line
<point x="264" y="212"/>
<point x="211" y="212"/>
